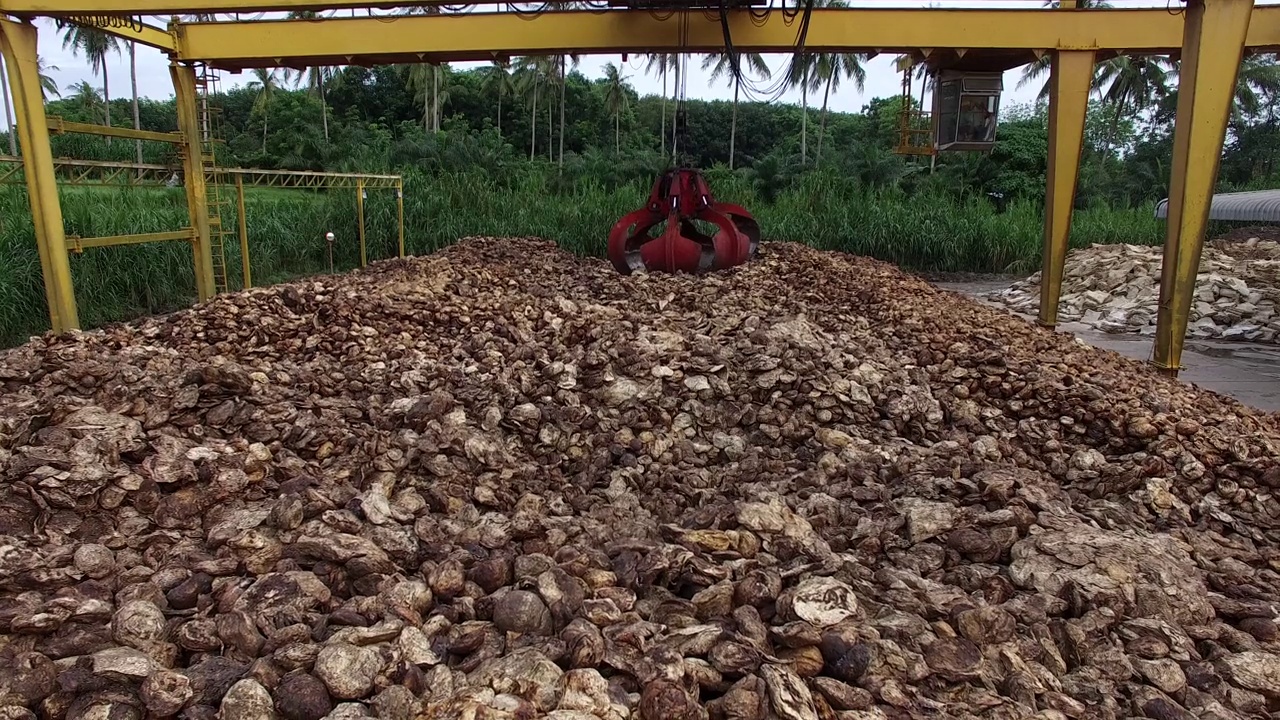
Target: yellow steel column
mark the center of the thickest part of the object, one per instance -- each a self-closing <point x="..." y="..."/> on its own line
<point x="18" y="44"/>
<point x="1069" y="80"/>
<point x="184" y="88"/>
<point x="360" y="215"/>
<point x="1212" y="44"/>
<point x="244" y="234"/>
<point x="400" y="212"/>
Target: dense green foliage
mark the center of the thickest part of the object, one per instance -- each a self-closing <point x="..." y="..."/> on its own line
<point x="500" y="171"/>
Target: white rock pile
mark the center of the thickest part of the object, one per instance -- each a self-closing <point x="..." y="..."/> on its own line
<point x="1116" y="289"/>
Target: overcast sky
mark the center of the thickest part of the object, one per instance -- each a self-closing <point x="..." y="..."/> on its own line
<point x="882" y="79"/>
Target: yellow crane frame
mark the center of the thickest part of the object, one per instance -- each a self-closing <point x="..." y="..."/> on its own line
<point x="1210" y="37"/>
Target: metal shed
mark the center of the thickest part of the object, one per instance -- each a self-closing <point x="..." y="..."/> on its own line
<point x="1253" y="206"/>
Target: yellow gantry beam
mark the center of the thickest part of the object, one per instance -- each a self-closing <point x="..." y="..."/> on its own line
<point x="479" y="36"/>
<point x="185" y="7"/>
<point x="121" y="24"/>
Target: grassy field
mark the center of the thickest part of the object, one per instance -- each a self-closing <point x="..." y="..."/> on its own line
<point x="287" y="227"/>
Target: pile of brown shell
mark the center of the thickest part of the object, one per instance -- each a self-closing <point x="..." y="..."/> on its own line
<point x="504" y="482"/>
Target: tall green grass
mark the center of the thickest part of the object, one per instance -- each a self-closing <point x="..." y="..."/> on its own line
<point x="287" y="227"/>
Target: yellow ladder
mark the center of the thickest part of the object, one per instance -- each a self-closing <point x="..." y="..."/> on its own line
<point x="207" y="87"/>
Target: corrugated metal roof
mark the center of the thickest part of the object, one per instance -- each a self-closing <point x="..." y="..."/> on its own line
<point x="1253" y="206"/>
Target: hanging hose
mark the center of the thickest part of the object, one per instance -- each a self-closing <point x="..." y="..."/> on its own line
<point x="680" y="121"/>
<point x="102" y="22"/>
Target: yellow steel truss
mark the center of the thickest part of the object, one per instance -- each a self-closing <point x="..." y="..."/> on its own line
<point x="58" y="126"/>
<point x="72" y="171"/>
<point x="1208" y="35"/>
<point x="75" y="172"/>
<point x="93" y="172"/>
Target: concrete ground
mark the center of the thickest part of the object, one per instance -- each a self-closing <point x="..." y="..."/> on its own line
<point x="1249" y="372"/>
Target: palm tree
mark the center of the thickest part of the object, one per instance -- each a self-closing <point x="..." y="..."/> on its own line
<point x="419" y="79"/>
<point x="661" y="62"/>
<point x="315" y="79"/>
<point x="86" y="96"/>
<point x="498" y="81"/>
<point x="1257" y="85"/>
<point x="95" y="45"/>
<point x="1258" y="79"/>
<point x="425" y="79"/>
<point x="315" y="76"/>
<point x="722" y="64"/>
<point x="562" y="78"/>
<point x="829" y="70"/>
<point x="798" y="71"/>
<point x="8" y="109"/>
<point x="1132" y="83"/>
<point x="530" y="73"/>
<point x="435" y="96"/>
<point x="1040" y="68"/>
<point x="133" y="85"/>
<point x="615" y="99"/>
<point x="266" y="82"/>
<point x="48" y="86"/>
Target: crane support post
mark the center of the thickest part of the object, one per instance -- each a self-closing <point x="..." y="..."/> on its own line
<point x="184" y="88"/>
<point x="1214" y="42"/>
<point x="18" y="45"/>
<point x="246" y="270"/>
<point x="1070" y="75"/>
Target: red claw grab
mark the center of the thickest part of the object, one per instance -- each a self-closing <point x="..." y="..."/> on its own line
<point x="679" y="197"/>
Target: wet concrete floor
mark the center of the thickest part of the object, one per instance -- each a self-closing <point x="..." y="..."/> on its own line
<point x="1249" y="372"/>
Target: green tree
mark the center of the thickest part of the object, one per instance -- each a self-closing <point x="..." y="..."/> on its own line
<point x="265" y="84"/>
<point x="95" y="45"/>
<point x="721" y="64"/>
